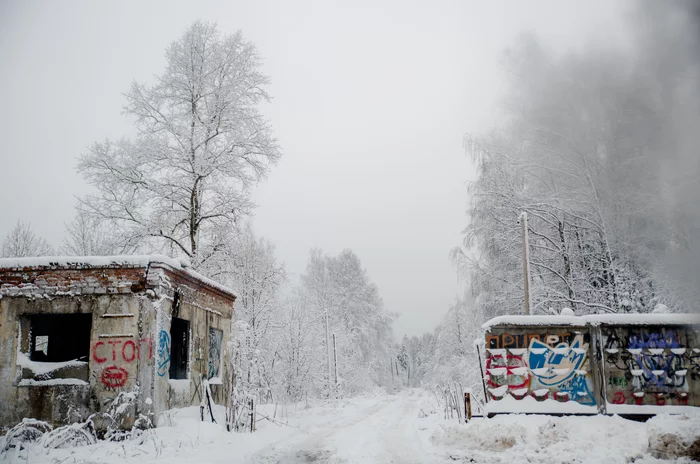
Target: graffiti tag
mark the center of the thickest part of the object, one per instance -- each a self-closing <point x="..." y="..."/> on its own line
<point x="163" y="352"/>
<point x="114" y="376"/>
<point x="127" y="351"/>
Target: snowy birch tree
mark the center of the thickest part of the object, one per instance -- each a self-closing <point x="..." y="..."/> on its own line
<point x="182" y="184"/>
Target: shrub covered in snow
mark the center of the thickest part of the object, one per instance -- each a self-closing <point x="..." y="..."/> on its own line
<point x="78" y="434"/>
<point x="27" y="431"/>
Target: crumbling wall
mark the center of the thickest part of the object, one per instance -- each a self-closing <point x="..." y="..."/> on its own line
<point x="62" y="395"/>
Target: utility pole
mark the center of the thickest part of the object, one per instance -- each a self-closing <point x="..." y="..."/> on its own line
<point x="335" y="366"/>
<point x="328" y="354"/>
<point x="526" y="261"/>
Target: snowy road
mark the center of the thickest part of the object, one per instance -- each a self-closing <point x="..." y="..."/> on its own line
<point x="382" y="429"/>
<point x="385" y="432"/>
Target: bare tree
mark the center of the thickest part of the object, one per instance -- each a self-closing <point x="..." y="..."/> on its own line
<point x="23" y="242"/>
<point x="86" y="237"/>
<point x="184" y="181"/>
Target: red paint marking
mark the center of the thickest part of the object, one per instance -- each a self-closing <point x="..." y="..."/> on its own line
<point x="133" y="351"/>
<point x="136" y="348"/>
<point x="114" y="376"/>
<point x="114" y="344"/>
<point x="95" y="356"/>
<point x="619" y="398"/>
<point x="510" y="366"/>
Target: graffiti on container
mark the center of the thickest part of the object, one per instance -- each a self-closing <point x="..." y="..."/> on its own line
<point x="552" y="366"/>
<point x="619" y="398"/>
<point x="556" y="365"/>
<point x="506" y="340"/>
<point x="656" y="361"/>
<point x="163" y="353"/>
<point x="619" y="381"/>
<point x="516" y="374"/>
<point x="578" y="390"/>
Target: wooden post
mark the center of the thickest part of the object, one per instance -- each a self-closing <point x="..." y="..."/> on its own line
<point x="467" y="407"/>
<point x="252" y="416"/>
<point x="526" y="262"/>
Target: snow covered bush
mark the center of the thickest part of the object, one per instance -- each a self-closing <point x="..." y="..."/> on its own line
<point x="78" y="434"/>
<point x="27" y="431"/>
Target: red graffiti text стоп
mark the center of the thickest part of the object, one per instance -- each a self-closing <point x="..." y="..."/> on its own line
<point x="127" y="351"/>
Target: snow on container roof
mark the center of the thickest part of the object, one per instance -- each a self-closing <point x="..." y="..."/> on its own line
<point x="595" y="319"/>
<point x="86" y="262"/>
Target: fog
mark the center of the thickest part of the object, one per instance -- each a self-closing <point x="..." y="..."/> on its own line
<point x="370" y="105"/>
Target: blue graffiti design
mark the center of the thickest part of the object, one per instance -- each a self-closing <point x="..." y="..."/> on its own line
<point x="647" y="362"/>
<point x="163" y="353"/>
<point x="549" y="358"/>
<point x="577" y="388"/>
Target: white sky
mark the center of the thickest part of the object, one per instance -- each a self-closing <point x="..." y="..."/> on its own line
<point x="371" y="100"/>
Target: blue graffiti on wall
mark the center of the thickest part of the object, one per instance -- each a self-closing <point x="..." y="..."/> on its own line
<point x="549" y="360"/>
<point x="163" y="353"/>
<point x="658" y="369"/>
<point x="577" y="388"/>
<point x="560" y="367"/>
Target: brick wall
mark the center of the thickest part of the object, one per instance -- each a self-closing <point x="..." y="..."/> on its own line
<point x="60" y="281"/>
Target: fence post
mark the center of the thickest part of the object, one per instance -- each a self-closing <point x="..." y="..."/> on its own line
<point x="467" y="407"/>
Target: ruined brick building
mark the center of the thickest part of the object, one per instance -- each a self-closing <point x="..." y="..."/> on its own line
<point x="75" y="332"/>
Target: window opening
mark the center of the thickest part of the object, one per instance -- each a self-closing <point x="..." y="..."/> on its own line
<point x="180" y="338"/>
<point x="60" y="337"/>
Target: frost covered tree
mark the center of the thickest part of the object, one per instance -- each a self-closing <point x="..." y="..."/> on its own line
<point x="183" y="182"/>
<point x="256" y="274"/>
<point x="344" y="303"/>
<point x="21" y="242"/>
<point x="585" y="152"/>
<point x="86" y="237"/>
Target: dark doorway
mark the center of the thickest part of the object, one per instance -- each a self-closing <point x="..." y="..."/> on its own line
<point x="60" y="337"/>
<point x="179" y="358"/>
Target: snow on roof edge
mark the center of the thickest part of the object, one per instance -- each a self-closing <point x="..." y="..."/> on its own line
<point x="595" y="319"/>
<point x="109" y="261"/>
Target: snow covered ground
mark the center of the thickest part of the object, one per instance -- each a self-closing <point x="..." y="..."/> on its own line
<point x="407" y="427"/>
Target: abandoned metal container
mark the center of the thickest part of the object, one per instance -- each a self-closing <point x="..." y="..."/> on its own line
<point x="627" y="364"/>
